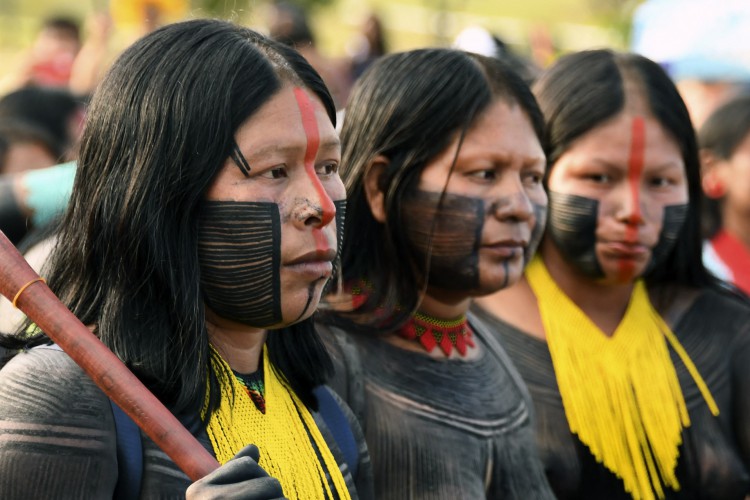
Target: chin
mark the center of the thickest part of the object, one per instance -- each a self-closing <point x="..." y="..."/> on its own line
<point x="303" y="305"/>
<point x="497" y="283"/>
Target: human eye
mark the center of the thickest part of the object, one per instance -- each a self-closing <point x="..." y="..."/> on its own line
<point x="484" y="175"/>
<point x="662" y="181"/>
<point x="533" y="178"/>
<point x="598" y="177"/>
<point x="278" y="172"/>
<point x="327" y="169"/>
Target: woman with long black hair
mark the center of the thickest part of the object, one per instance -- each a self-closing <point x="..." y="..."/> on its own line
<point x="203" y="223"/>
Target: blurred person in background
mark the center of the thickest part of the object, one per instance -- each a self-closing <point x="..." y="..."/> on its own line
<point x="25" y="147"/>
<point x="50" y="59"/>
<point x="289" y="24"/>
<point x="56" y="112"/>
<point x="724" y="140"/>
<point x="368" y="45"/>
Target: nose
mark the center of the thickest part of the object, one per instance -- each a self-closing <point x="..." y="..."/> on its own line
<point x="629" y="209"/>
<point x="313" y="206"/>
<point x="514" y="206"/>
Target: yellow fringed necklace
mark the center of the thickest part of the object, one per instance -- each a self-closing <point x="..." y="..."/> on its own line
<point x="621" y="393"/>
<point x="282" y="434"/>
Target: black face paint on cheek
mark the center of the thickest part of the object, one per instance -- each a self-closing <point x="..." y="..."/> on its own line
<point x="340" y="223"/>
<point x="239" y="249"/>
<point x="572" y="227"/>
<point x="340" y="219"/>
<point x="540" y="216"/>
<point x="310" y="295"/>
<point x="450" y="235"/>
<point x="674" y="219"/>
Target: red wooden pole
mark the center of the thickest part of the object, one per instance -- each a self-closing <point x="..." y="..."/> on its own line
<point x="109" y="373"/>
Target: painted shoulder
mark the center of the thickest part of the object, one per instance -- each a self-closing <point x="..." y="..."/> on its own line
<point x="54" y="421"/>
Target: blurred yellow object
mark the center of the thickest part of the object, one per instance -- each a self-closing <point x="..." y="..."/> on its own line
<point x="148" y="11"/>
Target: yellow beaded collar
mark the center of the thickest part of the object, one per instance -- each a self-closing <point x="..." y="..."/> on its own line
<point x="621" y="393"/>
<point x="283" y="434"/>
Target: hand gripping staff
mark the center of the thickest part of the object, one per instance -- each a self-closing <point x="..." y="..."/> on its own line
<point x="22" y="285"/>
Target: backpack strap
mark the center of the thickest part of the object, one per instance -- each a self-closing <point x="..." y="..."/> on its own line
<point x="129" y="456"/>
<point x="339" y="426"/>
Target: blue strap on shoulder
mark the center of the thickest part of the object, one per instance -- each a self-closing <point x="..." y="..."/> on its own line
<point x="129" y="456"/>
<point x="337" y="422"/>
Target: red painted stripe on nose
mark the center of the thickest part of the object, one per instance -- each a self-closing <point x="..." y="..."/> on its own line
<point x="310" y="124"/>
<point x="635" y="171"/>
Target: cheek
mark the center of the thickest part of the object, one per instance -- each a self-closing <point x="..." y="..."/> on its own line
<point x="335" y="189"/>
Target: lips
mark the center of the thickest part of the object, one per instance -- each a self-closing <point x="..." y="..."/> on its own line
<point x="316" y="264"/>
<point x="319" y="255"/>
<point x="625" y="250"/>
<point x="506" y="248"/>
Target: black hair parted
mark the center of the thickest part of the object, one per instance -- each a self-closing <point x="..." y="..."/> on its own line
<point x="584" y="90"/>
<point x="159" y="128"/>
<point x="408" y="107"/>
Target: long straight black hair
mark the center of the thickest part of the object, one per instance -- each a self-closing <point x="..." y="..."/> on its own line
<point x="159" y="128"/>
<point x="583" y="90"/>
<point x="408" y="107"/>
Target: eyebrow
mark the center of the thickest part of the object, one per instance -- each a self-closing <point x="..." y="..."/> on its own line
<point x="276" y="149"/>
<point x="615" y="166"/>
<point x="504" y="159"/>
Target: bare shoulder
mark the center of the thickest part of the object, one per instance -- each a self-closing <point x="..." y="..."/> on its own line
<point x="675" y="302"/>
<point x="54" y="417"/>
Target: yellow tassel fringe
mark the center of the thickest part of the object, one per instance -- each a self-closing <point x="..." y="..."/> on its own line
<point x="621" y="393"/>
<point x="282" y="435"/>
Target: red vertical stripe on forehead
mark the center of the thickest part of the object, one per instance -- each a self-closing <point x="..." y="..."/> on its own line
<point x="635" y="172"/>
<point x="310" y="124"/>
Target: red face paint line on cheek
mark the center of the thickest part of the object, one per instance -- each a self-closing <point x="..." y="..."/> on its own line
<point x="635" y="170"/>
<point x="310" y="124"/>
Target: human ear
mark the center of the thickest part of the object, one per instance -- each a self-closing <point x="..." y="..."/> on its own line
<point x="373" y="188"/>
<point x="711" y="175"/>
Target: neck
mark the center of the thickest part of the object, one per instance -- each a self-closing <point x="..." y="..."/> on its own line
<point x="604" y="303"/>
<point x="443" y="304"/>
<point x="737" y="224"/>
<point x="240" y="345"/>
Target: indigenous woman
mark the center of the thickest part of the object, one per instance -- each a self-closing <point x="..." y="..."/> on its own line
<point x="443" y="165"/>
<point x="636" y="361"/>
<point x="724" y="140"/>
<point x="200" y="234"/>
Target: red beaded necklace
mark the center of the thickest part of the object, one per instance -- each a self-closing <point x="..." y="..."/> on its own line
<point x="446" y="334"/>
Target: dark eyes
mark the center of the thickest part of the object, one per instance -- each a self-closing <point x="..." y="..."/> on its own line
<point x="599" y="178"/>
<point x="282" y="172"/>
<point x="278" y="173"/>
<point x="327" y="169"/>
<point x="533" y="178"/>
<point x="529" y="178"/>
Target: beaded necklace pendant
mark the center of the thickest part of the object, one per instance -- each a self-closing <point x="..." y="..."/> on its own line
<point x="253" y="385"/>
<point x="432" y="332"/>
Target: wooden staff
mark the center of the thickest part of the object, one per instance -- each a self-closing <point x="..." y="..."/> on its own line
<point x="23" y="286"/>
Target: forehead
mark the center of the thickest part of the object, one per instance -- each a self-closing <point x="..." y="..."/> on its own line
<point x="613" y="141"/>
<point x="281" y="122"/>
<point x="503" y="129"/>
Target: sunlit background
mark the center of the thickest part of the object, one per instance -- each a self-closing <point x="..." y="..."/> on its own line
<point x="545" y="26"/>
